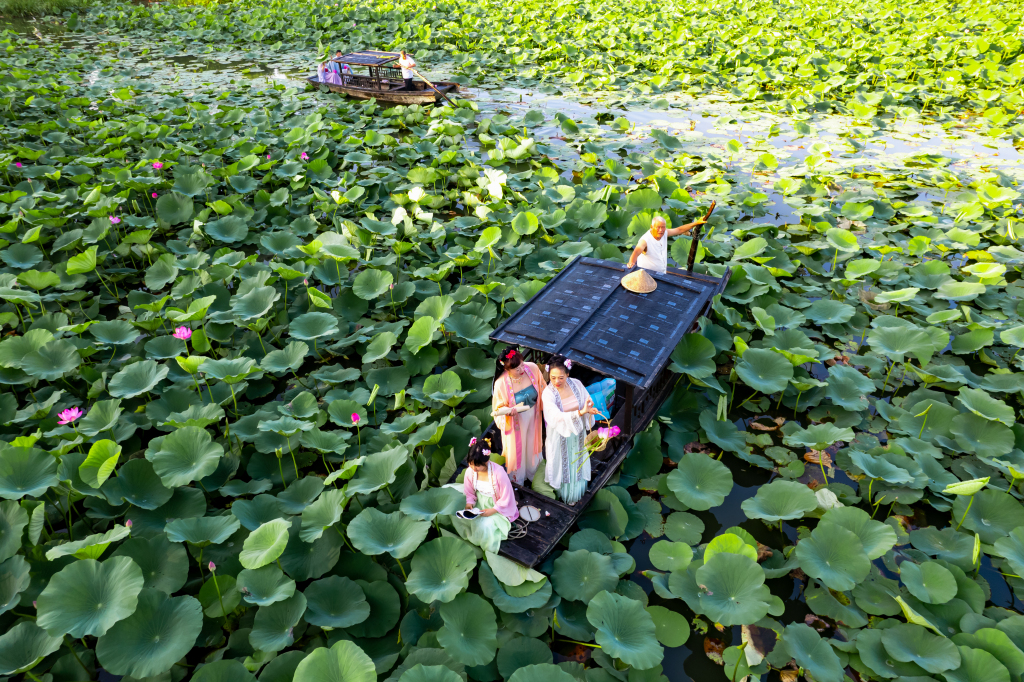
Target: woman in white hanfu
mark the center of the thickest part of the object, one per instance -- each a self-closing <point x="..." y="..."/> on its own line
<point x="569" y="415"/>
<point x="516" y="408"/>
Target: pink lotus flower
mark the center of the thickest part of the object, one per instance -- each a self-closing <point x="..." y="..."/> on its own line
<point x="114" y="220"/>
<point x="355" y="418"/>
<point x="603" y="433"/>
<point x="183" y="333"/>
<point x="614" y="431"/>
<point x="70" y="415"/>
<point x="472" y="441"/>
<point x="154" y="195"/>
<point x="18" y="164"/>
<point x="158" y="165"/>
<point x="212" y="567"/>
<point x="304" y="156"/>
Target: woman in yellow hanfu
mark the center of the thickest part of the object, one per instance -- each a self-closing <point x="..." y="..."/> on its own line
<point x="517" y="410"/>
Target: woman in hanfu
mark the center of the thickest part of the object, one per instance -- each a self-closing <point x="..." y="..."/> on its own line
<point x="488" y="490"/>
<point x="569" y="415"/>
<point x="517" y="406"/>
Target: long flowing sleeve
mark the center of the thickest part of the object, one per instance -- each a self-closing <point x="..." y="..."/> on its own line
<point x="504" y="495"/>
<point x="469" y="486"/>
<point x="504" y="423"/>
<point x="557" y="421"/>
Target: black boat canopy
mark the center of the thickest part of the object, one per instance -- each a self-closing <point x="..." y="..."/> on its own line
<point x="586" y="315"/>
<point x="368" y="58"/>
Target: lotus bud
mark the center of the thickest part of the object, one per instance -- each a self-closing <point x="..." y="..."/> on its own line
<point x="355" y="418"/>
<point x="212" y="567"/>
<point x="154" y="195"/>
<point x="34" y="605"/>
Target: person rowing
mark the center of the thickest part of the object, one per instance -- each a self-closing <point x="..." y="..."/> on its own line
<point x="407" y="64"/>
<point x="651" y="252"/>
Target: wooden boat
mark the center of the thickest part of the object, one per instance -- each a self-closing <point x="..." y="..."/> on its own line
<point x="607" y="331"/>
<point x="384" y="82"/>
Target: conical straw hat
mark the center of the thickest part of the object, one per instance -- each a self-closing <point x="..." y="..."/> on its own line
<point x="639" y="281"/>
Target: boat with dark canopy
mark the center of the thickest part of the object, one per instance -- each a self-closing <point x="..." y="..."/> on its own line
<point x="383" y="80"/>
<point x="587" y="314"/>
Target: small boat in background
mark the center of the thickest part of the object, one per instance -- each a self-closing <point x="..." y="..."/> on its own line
<point x="384" y="82"/>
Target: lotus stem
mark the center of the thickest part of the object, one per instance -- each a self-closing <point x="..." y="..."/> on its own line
<point x="737" y="668"/>
<point x="797" y="405"/>
<point x="573" y="641"/>
<point x="345" y="539"/>
<point x="970" y="501"/>
<point x="223" y="611"/>
<point x="399" y="562"/>
<point x="234" y="399"/>
<point x="294" y="463"/>
<point x="887" y="377"/>
<point x="388" y="488"/>
<point x="281" y="469"/>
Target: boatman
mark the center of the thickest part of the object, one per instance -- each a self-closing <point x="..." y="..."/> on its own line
<point x="651" y="252"/>
<point x="407" y="64"/>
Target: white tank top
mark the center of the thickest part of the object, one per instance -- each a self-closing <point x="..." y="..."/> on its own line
<point x="656" y="256"/>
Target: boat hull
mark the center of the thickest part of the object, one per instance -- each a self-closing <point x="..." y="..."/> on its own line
<point x="422" y="95"/>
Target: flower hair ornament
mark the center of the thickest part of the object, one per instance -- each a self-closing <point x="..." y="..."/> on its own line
<point x="510" y="354"/>
<point x="568" y="363"/>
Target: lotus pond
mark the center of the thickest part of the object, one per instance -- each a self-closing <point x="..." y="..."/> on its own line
<point x="245" y="342"/>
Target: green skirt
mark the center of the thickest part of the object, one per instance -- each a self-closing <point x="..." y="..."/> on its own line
<point x="486" y="532"/>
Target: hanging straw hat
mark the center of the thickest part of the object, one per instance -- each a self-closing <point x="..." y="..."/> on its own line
<point x="639" y="282"/>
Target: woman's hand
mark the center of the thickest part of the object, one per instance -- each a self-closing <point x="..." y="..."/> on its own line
<point x="489" y="512"/>
<point x="521" y="407"/>
<point x="468" y="506"/>
<point x="502" y="412"/>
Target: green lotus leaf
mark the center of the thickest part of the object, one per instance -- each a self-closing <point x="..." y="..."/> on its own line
<point x="137" y="483"/>
<point x="230" y="371"/>
<point x="909" y="643"/>
<point x="827" y="311"/>
<point x="730" y="543"/>
<point x="174" y="208"/>
<point x="844" y="240"/>
<point x="819" y="436"/>
<point x="429" y="673"/>
<point x="164" y="565"/>
<point x="966" y="487"/>
<point x="185" y="455"/>
<point x="952" y="290"/>
<point x="243" y="183"/>
<point x="541" y="672"/>
<point x="13" y="519"/>
<point x="930" y="582"/>
<point x="991" y="514"/>
<point x="876" y="537"/>
<point x="441" y="569"/>
<point x="812" y="653"/>
<point x="273" y="628"/>
<point x="980" y="436"/>
<point x="264" y="585"/>
<point x="428" y="504"/>
<point x="136" y="379"/>
<point x="287" y="360"/>
<point x="309" y="326"/>
<point x="977" y="664"/>
<point x="282" y="668"/>
<point x="468" y="327"/>
<point x="856" y="269"/>
<point x="764" y="370"/>
<point x="343" y="662"/>
<point x="947" y="544"/>
<point x="14" y="579"/>
<point x="835" y="556"/>
<point x="89" y="547"/>
<point x="848" y="388"/>
<point x="521" y="652"/>
<point x="254" y="303"/>
<point x="670" y="627"/>
<point x="223" y="671"/>
<point x="51" y="361"/>
<point x="510" y="573"/>
<point x="700" y="482"/>
<point x="161" y="631"/>
<point x="336" y="602"/>
<point x="581" y="574"/>
<point x="684" y="527"/>
<point x="13" y="350"/>
<point x="995" y="642"/>
<point x="229" y="229"/>
<point x="625" y="630"/>
<point x="322" y="514"/>
<point x="878" y="660"/>
<point x="671" y="556"/>
<point x="695" y="356"/>
<point x="724" y="434"/>
<point x="780" y="500"/>
<point x="385" y="609"/>
<point x="378" y="470"/>
<point x="469" y="634"/>
<point x="379" y="347"/>
<point x="880" y="468"/>
<point x="25" y="471"/>
<point x="89" y="597"/>
<point x="100" y="462"/>
<point x="265" y="544"/>
<point x="114" y="332"/>
<point x="731" y="589"/>
<point x="370" y="283"/>
<point x="202" y="531"/>
<point x="982" y="404"/>
<point x="510" y="599"/>
<point x="373" y="532"/>
<point x="1011" y="547"/>
<point x="195" y="415"/>
<point x="25" y="645"/>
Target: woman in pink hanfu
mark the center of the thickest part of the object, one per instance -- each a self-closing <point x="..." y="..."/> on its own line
<point x="488" y="490"/>
<point x="517" y="410"/>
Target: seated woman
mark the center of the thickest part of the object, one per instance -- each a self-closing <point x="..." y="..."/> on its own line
<point x="488" y="489"/>
<point x="516" y="408"/>
<point x="569" y="414"/>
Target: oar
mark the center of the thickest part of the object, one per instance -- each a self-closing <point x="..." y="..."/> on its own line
<point x="433" y="86"/>
<point x="695" y="239"/>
